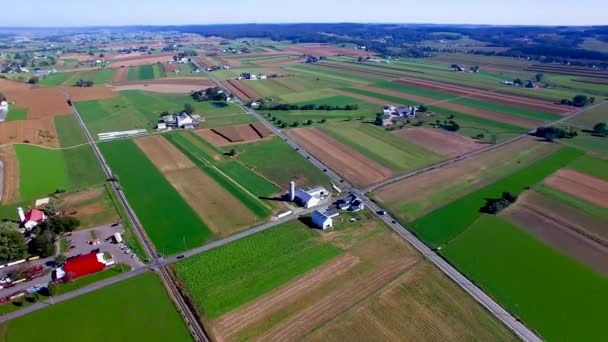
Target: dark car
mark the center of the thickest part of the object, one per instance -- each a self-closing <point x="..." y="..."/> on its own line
<point x="180" y="256"/>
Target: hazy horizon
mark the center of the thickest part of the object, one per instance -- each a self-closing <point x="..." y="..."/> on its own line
<point x="72" y="13"/>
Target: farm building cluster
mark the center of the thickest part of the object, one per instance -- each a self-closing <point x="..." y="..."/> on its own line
<point x="252" y="77"/>
<point x="307" y="198"/>
<point x="182" y="120"/>
<point x="390" y="112"/>
<point x="324" y="219"/>
<point x="83" y="265"/>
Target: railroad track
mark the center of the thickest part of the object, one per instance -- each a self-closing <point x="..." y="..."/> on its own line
<point x="197" y="331"/>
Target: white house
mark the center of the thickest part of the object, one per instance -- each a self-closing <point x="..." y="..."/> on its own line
<point x="263" y="77"/>
<point x="321" y="220"/>
<point x="185" y="121"/>
<point x="253" y="77"/>
<point x="33" y="218"/>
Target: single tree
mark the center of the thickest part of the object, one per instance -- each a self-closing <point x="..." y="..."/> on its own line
<point x="188" y="109"/>
<point x="33" y="80"/>
<point x="43" y="245"/>
<point x="539" y="77"/>
<point x="600" y="129"/>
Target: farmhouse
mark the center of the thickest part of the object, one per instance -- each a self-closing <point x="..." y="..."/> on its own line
<point x="32" y="218"/>
<point x="182" y="120"/>
<point x="389" y="112"/>
<point x="83" y="265"/>
<point x="351" y="203"/>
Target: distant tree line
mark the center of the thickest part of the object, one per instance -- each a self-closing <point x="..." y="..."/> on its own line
<point x="552" y="133"/>
<point x="578" y="101"/>
<point x="284" y="106"/>
<point x="600" y="129"/>
<point x="210" y="94"/>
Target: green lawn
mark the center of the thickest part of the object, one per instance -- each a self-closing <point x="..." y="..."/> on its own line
<point x="376" y="143"/>
<point x="41" y="171"/>
<point x="278" y="162"/>
<point x="137" y="309"/>
<point x="69" y="131"/>
<point x="15" y="114"/>
<point x="560" y="298"/>
<point x="230" y="276"/>
<point x="169" y="221"/>
<point x="463" y="212"/>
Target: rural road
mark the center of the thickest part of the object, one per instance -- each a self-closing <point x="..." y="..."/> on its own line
<point x="481" y="297"/>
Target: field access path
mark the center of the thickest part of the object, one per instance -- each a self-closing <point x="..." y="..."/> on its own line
<point x="481" y="297"/>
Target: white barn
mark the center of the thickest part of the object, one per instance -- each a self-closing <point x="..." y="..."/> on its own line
<point x="185" y="121"/>
<point x="321" y="220"/>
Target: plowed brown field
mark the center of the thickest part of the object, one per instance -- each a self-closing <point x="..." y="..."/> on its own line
<point x="438" y="140"/>
<point x="121" y="75"/>
<point x="40" y="102"/>
<point x="241" y="90"/>
<point x="10" y="178"/>
<point x="163" y="154"/>
<point x="344" y="160"/>
<point x="564" y="228"/>
<point x="239" y="134"/>
<point x="91" y="93"/>
<point x="139" y="60"/>
<point x="580" y="185"/>
<point x="35" y="131"/>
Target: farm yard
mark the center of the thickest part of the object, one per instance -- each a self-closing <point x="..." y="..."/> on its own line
<point x="320" y="281"/>
<point x="150" y="315"/>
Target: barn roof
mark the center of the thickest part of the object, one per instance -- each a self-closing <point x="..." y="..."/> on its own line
<point x="83" y="265"/>
<point x="34" y="215"/>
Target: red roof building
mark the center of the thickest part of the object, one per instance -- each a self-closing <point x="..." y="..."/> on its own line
<point x="33" y="218"/>
<point x="83" y="265"/>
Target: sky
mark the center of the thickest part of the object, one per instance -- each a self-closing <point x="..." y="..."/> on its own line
<point x="182" y="12"/>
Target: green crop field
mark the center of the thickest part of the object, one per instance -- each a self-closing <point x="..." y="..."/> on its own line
<point x="251" y="181"/>
<point x="591" y="165"/>
<point x="590" y="117"/>
<point x="461" y="213"/>
<point x="82" y="167"/>
<point x="69" y="131"/>
<point x="169" y="222"/>
<point x="228" y="120"/>
<point x="54" y="80"/>
<point x="230" y="276"/>
<point x="398" y="154"/>
<point x="41" y="171"/>
<point x="202" y="160"/>
<point x="104" y="76"/>
<point x="278" y="162"/>
<point x="572" y="201"/>
<point x="558" y="297"/>
<point x="139" y="308"/>
<point x="145" y="72"/>
<point x="15" y="114"/>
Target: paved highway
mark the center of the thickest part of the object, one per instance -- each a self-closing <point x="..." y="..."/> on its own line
<point x="492" y="306"/>
<point x="191" y="321"/>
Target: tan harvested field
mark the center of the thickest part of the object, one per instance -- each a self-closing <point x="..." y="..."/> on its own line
<point x="192" y="82"/>
<point x="441" y="141"/>
<point x="513" y="120"/>
<point x="241" y="90"/>
<point x="39" y="102"/>
<point x="161" y="88"/>
<point x="206" y="61"/>
<point x="567" y="229"/>
<point x="487" y="95"/>
<point x="171" y="67"/>
<point x="121" y="75"/>
<point x="78" y="56"/>
<point x="230" y="135"/>
<point x="580" y="185"/>
<point x="325" y="50"/>
<point x="91" y="206"/>
<point x="210" y="201"/>
<point x="207" y="198"/>
<point x="344" y="160"/>
<point x="10" y="178"/>
<point x="413" y="197"/>
<point x="36" y="131"/>
<point x="139" y="60"/>
<point x="376" y="269"/>
<point x="91" y="93"/>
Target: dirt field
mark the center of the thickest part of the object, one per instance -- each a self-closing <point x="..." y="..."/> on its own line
<point x="207" y="198"/>
<point x="344" y="160"/>
<point x="163" y="154"/>
<point x="161" y="88"/>
<point x="91" y="93"/>
<point x="438" y="140"/>
<point x="580" y="185"/>
<point x="231" y="135"/>
<point x="435" y="188"/>
<point x="139" y="60"/>
<point x="192" y="82"/>
<point x="562" y="227"/>
<point x="90" y="206"/>
<point x="121" y="75"/>
<point x="487" y="95"/>
<point x="36" y="131"/>
<point x="40" y="102"/>
<point x="171" y="67"/>
<point x="10" y="179"/>
<point x="241" y="90"/>
<point x="326" y="50"/>
<point x="513" y="120"/>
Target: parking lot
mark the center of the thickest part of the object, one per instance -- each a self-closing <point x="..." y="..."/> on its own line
<point x="79" y="242"/>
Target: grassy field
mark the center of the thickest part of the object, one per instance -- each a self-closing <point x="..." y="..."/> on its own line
<point x="169" y="222"/>
<point x="82" y="167"/>
<point x="248" y="179"/>
<point x="54" y="80"/>
<point x="145" y="72"/>
<point x="31" y="159"/>
<point x="104" y="76"/>
<point x="572" y="201"/>
<point x="227" y="277"/>
<point x="465" y="211"/>
<point x="149" y="315"/>
<point x="376" y="143"/>
<point x="591" y="165"/>
<point x="555" y="295"/>
<point x="135" y="109"/>
<point x="276" y="161"/>
<point x="69" y="131"/>
<point x="15" y="114"/>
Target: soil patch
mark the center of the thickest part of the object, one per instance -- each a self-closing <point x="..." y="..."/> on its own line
<point x="230" y="135"/>
<point x="344" y="160"/>
<point x="91" y="93"/>
<point x="163" y="154"/>
<point x="563" y="228"/>
<point x="438" y="140"/>
<point x="140" y="60"/>
<point x="580" y="185"/>
<point x="242" y="91"/>
<point x="37" y="132"/>
<point x="10" y="178"/>
<point x="121" y="75"/>
<point x="161" y="88"/>
<point x="40" y="102"/>
<point x="513" y="120"/>
<point x="486" y="95"/>
<point x="191" y="81"/>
